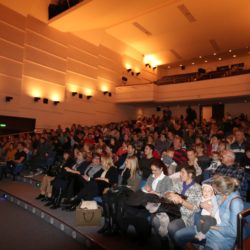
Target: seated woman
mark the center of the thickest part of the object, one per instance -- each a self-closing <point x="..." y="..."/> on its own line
<point x="113" y="199"/>
<point x="223" y="235"/>
<point x="192" y="191"/>
<point x="108" y="176"/>
<point x="158" y="183"/>
<point x="53" y="171"/>
<point x="54" y="183"/>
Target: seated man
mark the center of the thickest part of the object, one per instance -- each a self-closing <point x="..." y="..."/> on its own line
<point x="16" y="166"/>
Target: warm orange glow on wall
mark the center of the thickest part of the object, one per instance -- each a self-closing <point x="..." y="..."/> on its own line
<point x="73" y="88"/>
<point x="128" y="66"/>
<point x="88" y="92"/>
<point x="104" y="88"/>
<point x="35" y="93"/>
<point x="55" y="97"/>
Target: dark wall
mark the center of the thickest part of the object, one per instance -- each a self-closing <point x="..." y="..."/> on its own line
<point x="16" y="124"/>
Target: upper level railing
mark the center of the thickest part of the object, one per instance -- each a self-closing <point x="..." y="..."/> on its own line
<point x="223" y="71"/>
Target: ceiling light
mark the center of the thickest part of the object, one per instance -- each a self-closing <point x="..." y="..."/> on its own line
<point x="214" y="54"/>
<point x="193" y="63"/>
<point x="200" y="57"/>
<point x="219" y="58"/>
<point x="205" y="61"/>
<point x="180" y="65"/>
<point x="169" y="66"/>
<point x="234" y="56"/>
<point x="230" y="51"/>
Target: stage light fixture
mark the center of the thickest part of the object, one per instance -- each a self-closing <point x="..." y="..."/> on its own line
<point x="8" y="98"/>
<point x="45" y="100"/>
<point x="37" y="99"/>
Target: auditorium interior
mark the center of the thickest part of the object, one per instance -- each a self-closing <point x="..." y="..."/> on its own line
<point x="128" y="71"/>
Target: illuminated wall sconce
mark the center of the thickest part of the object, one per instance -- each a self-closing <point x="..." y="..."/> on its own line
<point x="37" y="99"/>
<point x="137" y="73"/>
<point x="80" y="96"/>
<point x="45" y="100"/>
<point x="56" y="102"/>
<point x="89" y="97"/>
<point x="105" y="92"/>
<point x="8" y="98"/>
<point x="73" y="93"/>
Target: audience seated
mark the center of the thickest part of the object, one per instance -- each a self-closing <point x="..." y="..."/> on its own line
<point x="83" y="162"/>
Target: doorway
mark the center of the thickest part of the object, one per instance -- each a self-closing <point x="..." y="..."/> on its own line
<point x="215" y="111"/>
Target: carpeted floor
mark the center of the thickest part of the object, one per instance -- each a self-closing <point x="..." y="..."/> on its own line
<point x="19" y="229"/>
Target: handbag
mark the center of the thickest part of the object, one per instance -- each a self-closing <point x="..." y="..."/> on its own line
<point x="90" y="205"/>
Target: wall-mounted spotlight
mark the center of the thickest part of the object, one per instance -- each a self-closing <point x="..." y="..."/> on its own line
<point x="129" y="70"/>
<point x="37" y="99"/>
<point x="73" y="93"/>
<point x="45" y="100"/>
<point x="56" y="102"/>
<point x="8" y="98"/>
<point x="124" y="79"/>
<point x="137" y="73"/>
<point x="110" y="94"/>
<point x="105" y="92"/>
<point x="89" y="97"/>
<point x="80" y="96"/>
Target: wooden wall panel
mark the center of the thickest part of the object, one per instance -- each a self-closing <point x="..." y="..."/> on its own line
<point x="82" y="56"/>
<point x="49" y="46"/>
<point x="10" y="67"/>
<point x="81" y="68"/>
<point x="12" y="18"/>
<point x="44" y="30"/>
<point x="11" y="34"/>
<point x="43" y="73"/>
<point x="11" y="50"/>
<point x="45" y="59"/>
<point x="10" y="85"/>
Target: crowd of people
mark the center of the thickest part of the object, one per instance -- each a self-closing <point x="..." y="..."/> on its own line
<point x="200" y="169"/>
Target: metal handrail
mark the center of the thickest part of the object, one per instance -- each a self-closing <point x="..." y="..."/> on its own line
<point x="240" y="224"/>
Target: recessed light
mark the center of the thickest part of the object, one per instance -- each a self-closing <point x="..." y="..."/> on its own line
<point x="219" y="58"/>
<point x="200" y="57"/>
<point x="205" y="61"/>
<point x="193" y="63"/>
<point x="214" y="54"/>
<point x="230" y="51"/>
<point x="169" y="66"/>
<point x="234" y="56"/>
<point x="180" y="65"/>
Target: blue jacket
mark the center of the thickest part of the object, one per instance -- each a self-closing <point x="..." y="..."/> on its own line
<point x="224" y="238"/>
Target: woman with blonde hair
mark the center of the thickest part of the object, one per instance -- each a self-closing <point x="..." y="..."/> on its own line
<point x="223" y="235"/>
<point x="113" y="199"/>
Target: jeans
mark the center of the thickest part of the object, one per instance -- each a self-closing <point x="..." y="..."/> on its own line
<point x="174" y="226"/>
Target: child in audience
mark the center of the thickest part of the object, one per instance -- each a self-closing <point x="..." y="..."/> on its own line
<point x="209" y="213"/>
<point x="167" y="158"/>
<point x="215" y="163"/>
